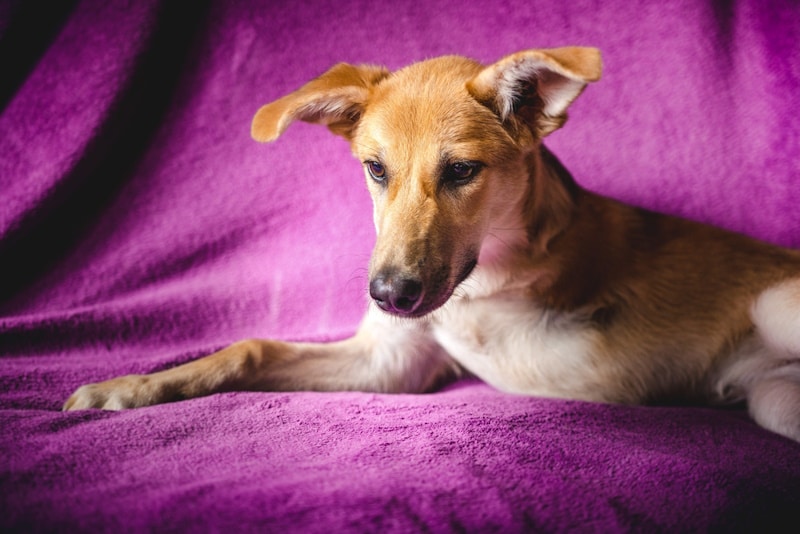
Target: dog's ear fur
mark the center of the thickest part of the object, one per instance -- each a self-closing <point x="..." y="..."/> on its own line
<point x="537" y="85"/>
<point x="336" y="99"/>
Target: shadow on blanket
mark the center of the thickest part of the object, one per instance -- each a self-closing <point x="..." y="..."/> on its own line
<point x="140" y="227"/>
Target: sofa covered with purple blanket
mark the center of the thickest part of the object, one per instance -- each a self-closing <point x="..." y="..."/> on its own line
<point x="141" y="227"/>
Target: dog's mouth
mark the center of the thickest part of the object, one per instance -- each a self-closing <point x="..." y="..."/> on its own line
<point x="465" y="272"/>
<point x="409" y="298"/>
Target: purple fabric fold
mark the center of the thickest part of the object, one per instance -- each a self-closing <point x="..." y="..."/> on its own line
<point x="141" y="227"/>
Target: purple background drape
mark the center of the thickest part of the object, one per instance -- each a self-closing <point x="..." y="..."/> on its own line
<point x="141" y="227"/>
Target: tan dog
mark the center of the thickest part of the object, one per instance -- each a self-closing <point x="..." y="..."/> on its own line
<point x="507" y="269"/>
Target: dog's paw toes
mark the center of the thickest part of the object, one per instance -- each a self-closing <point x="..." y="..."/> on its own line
<point x="115" y="394"/>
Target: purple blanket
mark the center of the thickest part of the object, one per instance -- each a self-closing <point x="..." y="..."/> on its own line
<point x="141" y="227"/>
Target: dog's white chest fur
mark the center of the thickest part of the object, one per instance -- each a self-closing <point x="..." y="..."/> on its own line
<point x="510" y="343"/>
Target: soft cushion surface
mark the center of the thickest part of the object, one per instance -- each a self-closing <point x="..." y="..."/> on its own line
<point x="141" y="227"/>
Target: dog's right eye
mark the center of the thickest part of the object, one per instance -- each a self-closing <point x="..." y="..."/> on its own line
<point x="461" y="172"/>
<point x="376" y="170"/>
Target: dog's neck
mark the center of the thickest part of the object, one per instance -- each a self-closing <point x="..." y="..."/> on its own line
<point x="552" y="199"/>
<point x="516" y="252"/>
<point x="543" y="213"/>
<point x="555" y="246"/>
<point x="580" y="243"/>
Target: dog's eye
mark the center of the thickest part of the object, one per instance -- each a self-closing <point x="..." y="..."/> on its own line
<point x="376" y="170"/>
<point x="460" y="172"/>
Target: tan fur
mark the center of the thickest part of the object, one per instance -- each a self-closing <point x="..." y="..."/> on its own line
<point x="515" y="273"/>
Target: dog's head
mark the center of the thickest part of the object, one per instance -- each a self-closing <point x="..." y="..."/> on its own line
<point x="450" y="152"/>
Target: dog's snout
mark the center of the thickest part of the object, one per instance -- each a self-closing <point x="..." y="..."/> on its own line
<point x="395" y="293"/>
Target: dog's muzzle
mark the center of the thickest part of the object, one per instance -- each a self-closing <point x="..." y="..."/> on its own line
<point x="407" y="296"/>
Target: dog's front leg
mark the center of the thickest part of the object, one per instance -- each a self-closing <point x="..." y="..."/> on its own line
<point x="385" y="355"/>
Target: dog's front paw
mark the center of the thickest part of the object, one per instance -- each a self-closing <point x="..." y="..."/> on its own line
<point x="130" y="391"/>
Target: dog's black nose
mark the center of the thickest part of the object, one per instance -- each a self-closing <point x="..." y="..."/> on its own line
<point x="396" y="294"/>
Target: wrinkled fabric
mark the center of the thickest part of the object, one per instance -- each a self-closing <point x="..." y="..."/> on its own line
<point x="142" y="227"/>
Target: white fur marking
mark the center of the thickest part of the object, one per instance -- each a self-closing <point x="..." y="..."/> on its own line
<point x="776" y="314"/>
<point x="518" y="348"/>
<point x="774" y="402"/>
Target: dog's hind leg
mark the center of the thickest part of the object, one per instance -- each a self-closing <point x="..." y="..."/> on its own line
<point x="774" y="401"/>
<point x="774" y="398"/>
<point x="385" y="355"/>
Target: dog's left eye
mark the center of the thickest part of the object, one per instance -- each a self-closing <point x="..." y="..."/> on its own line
<point x="461" y="172"/>
<point x="376" y="170"/>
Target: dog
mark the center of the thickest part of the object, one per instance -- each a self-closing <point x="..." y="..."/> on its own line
<point x="490" y="260"/>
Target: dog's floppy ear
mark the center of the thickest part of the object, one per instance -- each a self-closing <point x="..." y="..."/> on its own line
<point x="336" y="99"/>
<point x="537" y="85"/>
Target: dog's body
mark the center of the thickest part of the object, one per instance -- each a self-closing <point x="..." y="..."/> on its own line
<point x="490" y="259"/>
